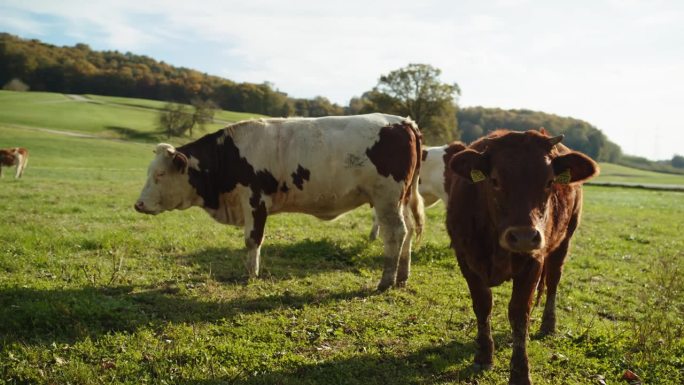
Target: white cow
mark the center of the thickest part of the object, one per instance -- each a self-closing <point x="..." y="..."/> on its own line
<point x="319" y="166"/>
<point x="432" y="186"/>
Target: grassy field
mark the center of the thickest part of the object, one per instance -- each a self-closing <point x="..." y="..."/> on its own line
<point x="93" y="293"/>
<point x="102" y="116"/>
<point x="615" y="173"/>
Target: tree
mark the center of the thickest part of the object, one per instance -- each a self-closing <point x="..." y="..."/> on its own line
<point x="176" y="119"/>
<point x="677" y="161"/>
<point x="417" y="91"/>
<point x="16" y="85"/>
<point x="203" y="114"/>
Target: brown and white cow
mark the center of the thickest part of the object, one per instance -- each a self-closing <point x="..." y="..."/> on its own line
<point x="515" y="201"/>
<point x="319" y="166"/>
<point x="433" y="170"/>
<point x="16" y="156"/>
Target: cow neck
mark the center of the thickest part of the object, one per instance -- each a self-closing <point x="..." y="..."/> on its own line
<point x="221" y="167"/>
<point x="211" y="164"/>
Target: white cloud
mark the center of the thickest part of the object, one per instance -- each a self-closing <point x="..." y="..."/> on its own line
<point x="616" y="64"/>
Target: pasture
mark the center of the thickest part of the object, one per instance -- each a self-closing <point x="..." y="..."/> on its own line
<point x="93" y="293"/>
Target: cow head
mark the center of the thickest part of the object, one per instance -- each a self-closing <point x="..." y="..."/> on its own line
<point x="167" y="186"/>
<point x="519" y="174"/>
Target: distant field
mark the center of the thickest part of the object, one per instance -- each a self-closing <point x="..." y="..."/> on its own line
<point x="111" y="117"/>
<point x="616" y="173"/>
<point x="93" y="293"/>
<point x="229" y="116"/>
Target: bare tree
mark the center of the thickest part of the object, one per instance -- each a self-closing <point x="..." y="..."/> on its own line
<point x="175" y="119"/>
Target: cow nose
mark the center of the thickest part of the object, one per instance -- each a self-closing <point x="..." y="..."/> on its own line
<point x="523" y="238"/>
<point x="139" y="206"/>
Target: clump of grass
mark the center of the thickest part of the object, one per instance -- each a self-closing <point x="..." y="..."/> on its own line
<point x="657" y="330"/>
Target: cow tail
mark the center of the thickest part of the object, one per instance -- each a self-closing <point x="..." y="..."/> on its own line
<point x="415" y="199"/>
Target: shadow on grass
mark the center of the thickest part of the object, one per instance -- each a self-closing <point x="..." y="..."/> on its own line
<point x="133" y="134"/>
<point x="428" y="365"/>
<point x="284" y="261"/>
<point x="305" y="258"/>
<point x="45" y="316"/>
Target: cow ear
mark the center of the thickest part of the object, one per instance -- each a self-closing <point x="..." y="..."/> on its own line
<point x="470" y="164"/>
<point x="180" y="162"/>
<point x="574" y="167"/>
<point x="543" y="131"/>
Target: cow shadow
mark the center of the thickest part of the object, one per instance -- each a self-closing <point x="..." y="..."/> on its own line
<point x="44" y="317"/>
<point x="282" y="261"/>
<point x="37" y="316"/>
<point x="441" y="363"/>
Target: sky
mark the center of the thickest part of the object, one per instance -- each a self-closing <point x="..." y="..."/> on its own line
<point x="618" y="64"/>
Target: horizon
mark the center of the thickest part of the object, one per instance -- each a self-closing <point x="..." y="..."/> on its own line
<point x="614" y="64"/>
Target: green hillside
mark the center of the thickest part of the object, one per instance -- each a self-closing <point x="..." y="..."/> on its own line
<point x="107" y="117"/>
<point x="615" y="173"/>
<point x="24" y="113"/>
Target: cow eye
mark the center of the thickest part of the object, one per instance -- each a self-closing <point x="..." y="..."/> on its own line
<point x="549" y="183"/>
<point x="495" y="182"/>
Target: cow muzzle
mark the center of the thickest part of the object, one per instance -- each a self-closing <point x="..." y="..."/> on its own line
<point x="139" y="206"/>
<point x="522" y="239"/>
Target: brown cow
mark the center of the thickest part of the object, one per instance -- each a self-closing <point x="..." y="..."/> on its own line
<point x="16" y="156"/>
<point x="514" y="202"/>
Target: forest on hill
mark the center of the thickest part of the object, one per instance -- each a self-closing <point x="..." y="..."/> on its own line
<point x="475" y="122"/>
<point x="31" y="64"/>
<point x="81" y="70"/>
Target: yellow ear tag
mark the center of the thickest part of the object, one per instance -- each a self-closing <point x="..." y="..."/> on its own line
<point x="563" y="178"/>
<point x="477" y="176"/>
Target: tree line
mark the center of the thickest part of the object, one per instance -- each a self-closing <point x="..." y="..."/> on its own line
<point x="415" y="90"/>
<point x="30" y="63"/>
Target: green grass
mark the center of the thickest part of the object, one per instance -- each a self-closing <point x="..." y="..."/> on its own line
<point x="92" y="292"/>
<point x="229" y="116"/>
<point x="620" y="174"/>
<point x="111" y="117"/>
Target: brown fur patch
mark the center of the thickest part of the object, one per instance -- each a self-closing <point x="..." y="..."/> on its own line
<point x="394" y="152"/>
<point x="8" y="156"/>
<point x="477" y="214"/>
<point x="453" y="148"/>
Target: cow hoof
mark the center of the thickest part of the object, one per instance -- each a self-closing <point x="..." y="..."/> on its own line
<point x="383" y="286"/>
<point x="520" y="381"/>
<point x="481" y="367"/>
<point x="402" y="283"/>
<point x="547" y="329"/>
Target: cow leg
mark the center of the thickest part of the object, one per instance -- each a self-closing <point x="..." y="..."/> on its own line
<point x="554" y="269"/>
<point x="1" y="172"/>
<point x="375" y="229"/>
<point x="519" y="309"/>
<point x="255" y="222"/>
<point x="17" y="172"/>
<point x="481" y="295"/>
<point x="405" y="256"/>
<point x="393" y="232"/>
<point x="22" y="164"/>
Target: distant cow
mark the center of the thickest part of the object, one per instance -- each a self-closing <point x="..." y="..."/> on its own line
<point x="514" y="202"/>
<point x="432" y="177"/>
<point x="16" y="156"/>
<point x="319" y="166"/>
